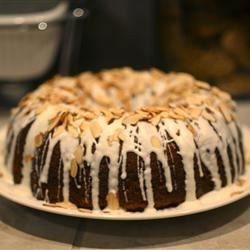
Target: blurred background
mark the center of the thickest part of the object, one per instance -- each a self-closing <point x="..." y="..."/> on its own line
<point x="40" y="38"/>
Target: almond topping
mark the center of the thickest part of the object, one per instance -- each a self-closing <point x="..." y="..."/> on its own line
<point x="208" y="116"/>
<point x="39" y="140"/>
<point x="73" y="168"/>
<point x="225" y="112"/>
<point x="73" y="131"/>
<point x="132" y="119"/>
<point x="112" y="200"/>
<point x="95" y="129"/>
<point x="155" y="120"/>
<point x="79" y="154"/>
<point x="195" y="113"/>
<point x="120" y="134"/>
<point x="191" y="129"/>
<point x="84" y="210"/>
<point x="83" y="126"/>
<point x="155" y="141"/>
<point x="202" y="85"/>
<point x="58" y="131"/>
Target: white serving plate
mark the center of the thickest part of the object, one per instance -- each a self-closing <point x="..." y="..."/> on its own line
<point x="212" y="200"/>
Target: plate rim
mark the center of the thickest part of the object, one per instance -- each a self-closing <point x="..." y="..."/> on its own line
<point x="123" y="215"/>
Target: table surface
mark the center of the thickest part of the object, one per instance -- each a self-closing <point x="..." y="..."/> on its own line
<point x="223" y="228"/>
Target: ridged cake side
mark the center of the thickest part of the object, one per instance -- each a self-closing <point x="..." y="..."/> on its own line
<point x="174" y="140"/>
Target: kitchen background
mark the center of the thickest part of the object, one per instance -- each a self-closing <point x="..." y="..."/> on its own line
<point x="207" y="38"/>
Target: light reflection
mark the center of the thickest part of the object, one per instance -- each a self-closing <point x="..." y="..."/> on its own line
<point x="78" y="12"/>
<point x="42" y="26"/>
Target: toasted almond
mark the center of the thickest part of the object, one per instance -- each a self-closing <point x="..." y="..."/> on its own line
<point x="50" y="205"/>
<point x="194" y="113"/>
<point x="208" y="116"/>
<point x="112" y="200"/>
<point x="40" y="109"/>
<point x="84" y="126"/>
<point x="120" y="134"/>
<point x="73" y="168"/>
<point x="39" y="140"/>
<point x="66" y="205"/>
<point x="116" y="136"/>
<point x="89" y="115"/>
<point x="56" y="119"/>
<point x="164" y="114"/>
<point x="95" y="129"/>
<point x="1" y="174"/>
<point x="79" y="154"/>
<point x="225" y="112"/>
<point x="58" y="131"/>
<point x="132" y="119"/>
<point x="202" y="85"/>
<point x="173" y="115"/>
<point x="73" y="131"/>
<point x="155" y="120"/>
<point x="84" y="210"/>
<point x="180" y="112"/>
<point x="191" y="129"/>
<point x="225" y="96"/>
<point x="117" y="111"/>
<point x="155" y="141"/>
<point x="154" y="109"/>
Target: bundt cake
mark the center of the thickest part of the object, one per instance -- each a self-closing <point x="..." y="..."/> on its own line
<point x="124" y="139"/>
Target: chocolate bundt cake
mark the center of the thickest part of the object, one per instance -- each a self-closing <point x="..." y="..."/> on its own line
<point x="124" y="139"/>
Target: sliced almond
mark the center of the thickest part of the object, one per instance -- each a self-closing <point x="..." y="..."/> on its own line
<point x="117" y="111"/>
<point x="194" y="113"/>
<point x="39" y="140"/>
<point x="95" y="129"/>
<point x="79" y="154"/>
<point x="191" y="129"/>
<point x="113" y="202"/>
<point x="202" y="85"/>
<point x="66" y="205"/>
<point x="155" y="120"/>
<point x="84" y="126"/>
<point x="73" y="168"/>
<point x="155" y="141"/>
<point x="41" y="108"/>
<point x="120" y="134"/>
<point x="225" y="96"/>
<point x="176" y="116"/>
<point x="58" y="131"/>
<point x="89" y="115"/>
<point x="50" y="205"/>
<point x="208" y="116"/>
<point x="55" y="120"/>
<point x="225" y="112"/>
<point x="133" y="119"/>
<point x="73" y="131"/>
<point x="180" y="112"/>
<point x="84" y="210"/>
